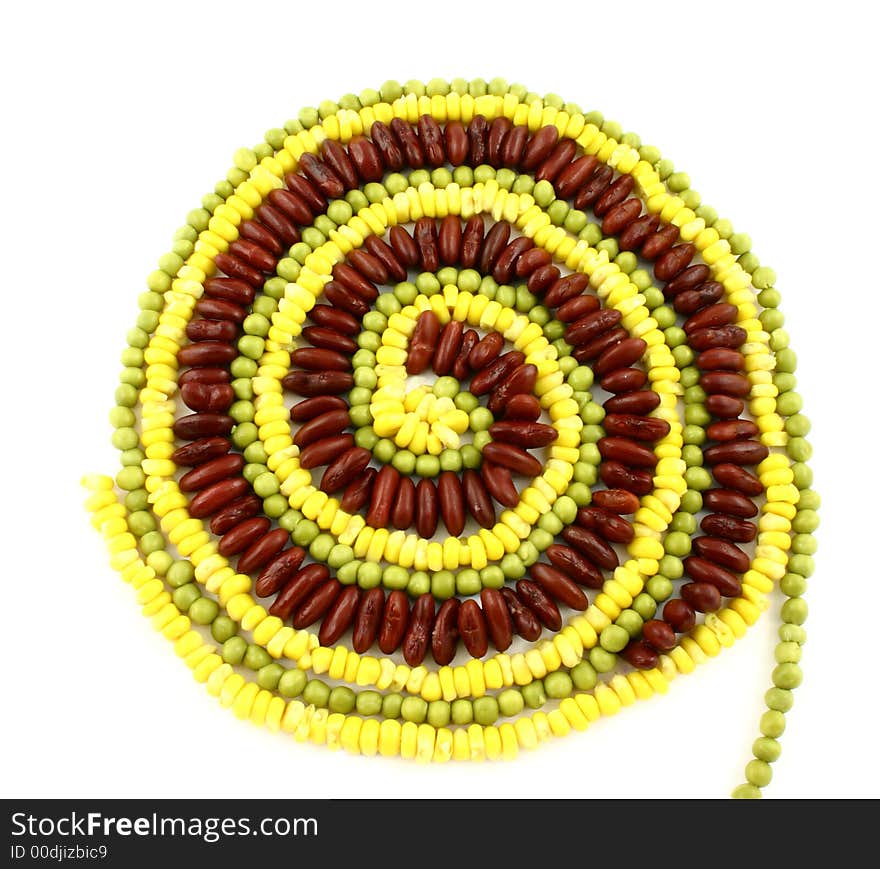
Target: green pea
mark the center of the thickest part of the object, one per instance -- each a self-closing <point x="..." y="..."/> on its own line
<point x="525" y="300"/>
<point x="160" y="561"/>
<point x="394" y="576"/>
<point x="241" y="366"/>
<point x="290" y="519"/>
<point x="203" y="611"/>
<point x="340" y="554"/>
<point x="368" y="702"/>
<point x="141" y="522"/>
<point x="766" y="749"/>
<point x="512" y="566"/>
<point x="441" y="177"/>
<point x="395" y="183"/>
<point x="550" y="522"/>
<point x="252" y="470"/>
<point x="800" y="449"/>
<point x="659" y="587"/>
<point x="360" y="415"/>
<point x="613" y="638"/>
<point x="470" y="457"/>
<point x="510" y="702"/>
<point x="384" y="450"/>
<point x="566" y="509"/>
<point x="480" y="439"/>
<point x="691" y="501"/>
<point x="133" y="377"/>
<point x="807" y="519"/>
<point x="698" y="479"/>
<point x="342" y="699"/>
<point x="269" y="676"/>
<point x="792" y="634"/>
<point x="305" y="532"/>
<point x="631" y="622"/>
<point x="523" y="184"/>
<point x="251" y="346"/>
<point x="506" y="295"/>
<point x="427" y="283"/>
<point x="427" y="466"/>
<point x="527" y="553"/>
<point x="130" y="478"/>
<point x="534" y="695"/>
<point x="136" y="500"/>
<point x="485" y="710"/>
<point x="467" y="582"/>
<point x="461" y="711"/>
<point x="414" y="709"/>
<point x="388" y="304"/>
<point x="184" y="596"/>
<point x="366" y="438"/>
<point x="419" y="584"/>
<point x="316" y="693"/>
<point x="787" y="653"/>
<point x="787" y="676"/>
<point x="602" y="660"/>
<point x="643" y="282"/>
<point x="347" y="573"/>
<point x="439" y="713"/>
<point x="683" y="356"/>
<point x="368" y="341"/>
<point x="745" y="792"/>
<point x="645" y="606"/>
<point x="758" y="773"/>
<point x="233" y="650"/>
<point x="320" y="547"/>
<point x="443" y="584"/>
<point x="122" y="417"/>
<point x="256" y="657"/>
<point x="448" y="276"/>
<point x="242" y="411"/>
<point x="222" y="628"/>
<point x="491" y="576"/>
<point x="581" y="378"/>
<point x="779" y="699"/>
<point x="404" y="461"/>
<point x="579" y="492"/>
<point x="558" y="685"/>
<point x="802" y="564"/>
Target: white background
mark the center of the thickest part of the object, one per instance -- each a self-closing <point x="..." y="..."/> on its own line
<point x="117" y="118"/>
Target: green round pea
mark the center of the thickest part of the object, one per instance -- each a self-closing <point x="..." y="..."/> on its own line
<point x="233" y="650"/>
<point x="579" y="492"/>
<point x="512" y="566"/>
<point x="427" y="465"/>
<point x="467" y="582"/>
<point x="480" y="419"/>
<point x="222" y="628"/>
<point x="631" y="622"/>
<point x="203" y="611"/>
<point x="388" y="304"/>
<point x="787" y="676"/>
<point x="746" y="791"/>
<point x="342" y="699"/>
<point x="766" y="749"/>
<point x="368" y="702"/>
<point x="414" y="709"/>
<point x="256" y="657"/>
<point x="466" y="401"/>
<point x="316" y="693"/>
<point x="305" y="532"/>
<point x="320" y="547"/>
<point x="404" y="461"/>
<point x="461" y="711"/>
<point x="558" y="685"/>
<point x="779" y="699"/>
<point x="419" y="583"/>
<point x="160" y="561"/>
<point x="269" y="675"/>
<point x="602" y="660"/>
<point x="659" y="587"/>
<point x="613" y="638"/>
<point x="645" y="606"/>
<point x="292" y="683"/>
<point x="510" y="702"/>
<point x="443" y="584"/>
<point x="534" y="695"/>
<point x="393" y="576"/>
<point x="758" y="773"/>
<point x="439" y="713"/>
<point x="384" y="450"/>
<point x="450" y="460"/>
<point x="492" y="576"/>
<point x="184" y="596"/>
<point x="485" y="710"/>
<point x="584" y="676"/>
<point x="152" y="542"/>
<point x="792" y="634"/>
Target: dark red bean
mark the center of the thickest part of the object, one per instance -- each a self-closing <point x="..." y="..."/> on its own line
<point x="477" y="498"/>
<point x="211" y="472"/>
<point x="292" y="205"/>
<point x="444" y="635"/>
<point x="456" y="139"/>
<point x="591" y="545"/>
<point x="608" y="525"/>
<point x="702" y="596"/>
<point x="729" y="501"/>
<point x="736" y="477"/>
<point x="614" y="195"/>
<point x="404" y="246"/>
<point x="640" y="655"/>
<point x="591" y="326"/>
<point x="621" y="216"/>
<point x="431" y="137"/>
<point x="311" y="383"/>
<point x="574" y="565"/>
<point x="471" y="241"/>
<point x="703" y="570"/>
<point x="360" y="275"/>
<point x="310" y="408"/>
<point x="200" y="451"/>
<point x="621" y="355"/>
<point x="533" y="259"/>
<point x="472" y="628"/>
<point x="627" y="452"/>
<point x="659" y="635"/>
<point x="423" y="342"/>
<point x="486" y="350"/>
<point x="722" y="552"/>
<point x="729" y="527"/>
<point x="340" y="616"/>
<point x="575" y="309"/>
<point x="357" y="492"/>
<point x="332" y="318"/>
<point x="336" y="157"/>
<point x="618" y="476"/>
<point x="736" y="452"/>
<point x="565" y="288"/>
<point x="497" y="618"/>
<point x="521" y="380"/>
<point x="498" y="129"/>
<point x="341" y="297"/>
<point x="207" y="353"/>
<point x="495" y="242"/>
<point x="598" y="183"/>
<point x="559" y="157"/>
<point x="307" y="191"/>
<point x="425" y="234"/>
<point x="478" y="141"/>
<point x="624" y="380"/>
<point x="254" y="255"/>
<point x="537" y="600"/>
<point x="386" y="255"/>
<point x="279" y="223"/>
<point x="720" y="358"/>
<point x="724" y="406"/>
<point x="542" y="278"/>
<point x="211" y="397"/>
<point x="449" y="239"/>
<point x="523" y="434"/>
<point x="641" y="428"/>
<point x="595" y="348"/>
<point x="382" y="497"/>
<point x="409" y="143"/>
<point x="236" y="267"/>
<point x="322" y="176"/>
<point x="690" y="301"/>
<point x="368" y="619"/>
<point x="556" y="584"/>
<point x="330" y="339"/>
<point x="489" y="377"/>
<point x="199" y="425"/>
<point x="638" y="232"/>
<point x="404" y="505"/>
<point x="511" y="457"/>
<point x="539" y="146"/>
<point x="316" y="604"/>
<point x="522" y="407"/>
<point x="721" y="314"/>
<point x="220" y="309"/>
<point x="726" y="383"/>
<point x="616" y="500"/>
<point x="461" y="368"/>
<point x="343" y="469"/>
<point x="680" y="615"/>
<point x="331" y="423"/>
<point x="366" y="159"/>
<point x="640" y="402"/>
<point x="320" y="358"/>
<point x="243" y="535"/>
<point x="524" y="621"/>
<point x="426" y="508"/>
<point x="325" y="451"/>
<point x="211" y="330"/>
<point x="500" y="484"/>
<point x="236" y="511"/>
<point x="660" y="242"/>
<point x="451" y="500"/>
<point x="418" y="631"/>
<point x="673" y="261"/>
<point x="395" y="617"/>
<point x="575" y="175"/>
<point x="279" y="570"/>
<point x="514" y="145"/>
<point x="262" y="551"/>
<point x="720" y="336"/>
<point x="299" y="587"/>
<point x="448" y="347"/>
<point x="387" y="146"/>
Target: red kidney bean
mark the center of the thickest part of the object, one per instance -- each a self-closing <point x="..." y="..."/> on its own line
<point x="722" y="358"/>
<point x="471" y="241"/>
<point x="328" y="339"/>
<point x="724" y="406"/>
<point x="539" y="146"/>
<point x="382" y="498"/>
<point x="520" y="380"/>
<point x="236" y="511"/>
<point x="449" y="239"/>
<point x="680" y="615"/>
<point x="199" y="425"/>
<point x="691" y="278"/>
<point x="542" y="278"/>
<point x="722" y="552"/>
<point x="279" y="570"/>
<point x="229" y="290"/>
<point x="729" y="501"/>
<point x="591" y="545"/>
<point x="505" y="265"/>
<point x="624" y="380"/>
<point x="591" y="326"/>
<point x="262" y="550"/>
<point x="367" y="619"/>
<point x="444" y="635"/>
<point x="495" y="242"/>
<point x="320" y="358"/>
<point x="616" y="500"/>
<point x="456" y="140"/>
<point x="418" y="631"/>
<point x="235" y="267"/>
<point x="553" y="164"/>
<point x="211" y="330"/>
<point x="532" y="260"/>
<point x="511" y="457"/>
<point x="366" y="159"/>
<point x="703" y="570"/>
<point x="311" y="383"/>
<point x="575" y="175"/>
<point x="292" y="205"/>
<point x="451" y="499"/>
<point x="255" y="256"/>
<point x="719" y="336"/>
<point x="302" y="187"/>
<point x="200" y="451"/>
<point x="279" y="223"/>
<point x="386" y="145"/>
<point x="574" y="565"/>
<point x="394" y="621"/>
<point x="726" y="383"/>
<point x="426" y="508"/>
<point x="404" y="504"/>
<point x="358" y="491"/>
<point x="386" y="256"/>
<point x="734" y="477"/>
<point x="597" y="184"/>
<point x="522" y="407"/>
<point x="566" y="288"/>
<point x="638" y="403"/>
<point x="608" y="525"/>
<point x="626" y="451"/>
<point x="340" y="616"/>
<point x="736" y="452"/>
<point x="472" y="628"/>
<point x="341" y="297"/>
<point x="403" y="244"/>
<point x="478" y="140"/>
<point x="660" y="242"/>
<point x="497" y="618"/>
<point x="523" y="434"/>
<point x="212" y="397"/>
<point x="556" y="584"/>
<point x="614" y="195"/>
<point x="425" y="234"/>
<point x="659" y="635"/>
<point x="343" y="469"/>
<point x="322" y="176"/>
<point x="536" y="599"/>
<point x="640" y="655"/>
<point x="618" y="476"/>
<point x="448" y="347"/>
<point x="211" y="472"/>
<point x="461" y="368"/>
<point x="638" y="232"/>
<point x="720" y="314"/>
<point x="524" y="621"/>
<point x="310" y="408"/>
<point x="316" y="604"/>
<point x="620" y="216"/>
<point x="243" y="535"/>
<point x="691" y="301"/>
<point x="207" y="353"/>
<point x="673" y="261"/>
<point x="298" y="588"/>
<point x="728" y="527"/>
<point x="499" y="484"/>
<point x="498" y="129"/>
<point x="575" y="309"/>
<point x="204" y="375"/>
<point x="489" y="377"/>
<point x="431" y="137"/>
<point x="642" y="428"/>
<point x="621" y="355"/>
<point x="486" y="350"/>
<point x="331" y="423"/>
<point x="514" y="145"/>
<point x="360" y="274"/>
<point x="333" y="318"/>
<point x="599" y="345"/>
<point x="423" y="342"/>
<point x="336" y="157"/>
<point x="702" y="596"/>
